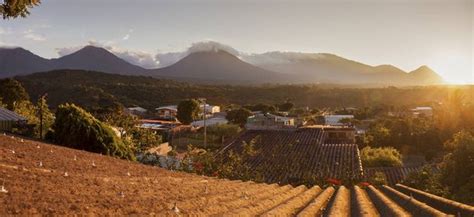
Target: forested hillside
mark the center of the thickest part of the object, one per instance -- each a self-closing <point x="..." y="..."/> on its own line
<point x="89" y="88"/>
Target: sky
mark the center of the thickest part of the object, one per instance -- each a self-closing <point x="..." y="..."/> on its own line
<point x="403" y="33"/>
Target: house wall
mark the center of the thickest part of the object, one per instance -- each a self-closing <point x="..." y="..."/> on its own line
<point x="6" y="126"/>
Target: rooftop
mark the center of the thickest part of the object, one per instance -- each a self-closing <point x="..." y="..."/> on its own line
<point x="117" y="187"/>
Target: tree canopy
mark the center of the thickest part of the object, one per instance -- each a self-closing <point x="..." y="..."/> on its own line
<point x="76" y="128"/>
<point x="238" y="116"/>
<point x="458" y="167"/>
<point x="11" y="92"/>
<point x="188" y="111"/>
<point x="17" y="8"/>
<point x="380" y="157"/>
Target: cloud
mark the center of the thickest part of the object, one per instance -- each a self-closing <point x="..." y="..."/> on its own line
<point x="31" y="35"/>
<point x="127" y="36"/>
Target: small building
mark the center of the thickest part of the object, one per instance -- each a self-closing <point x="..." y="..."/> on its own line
<point x="10" y="120"/>
<point x="424" y="111"/>
<point x="210" y="122"/>
<point x="158" y="125"/>
<point x="335" y="120"/>
<point x="167" y="112"/>
<point x="137" y="110"/>
<point x="269" y="121"/>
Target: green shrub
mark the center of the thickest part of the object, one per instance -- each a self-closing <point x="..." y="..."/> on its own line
<point x="379" y="178"/>
<point x="76" y="128"/>
<point x="380" y="157"/>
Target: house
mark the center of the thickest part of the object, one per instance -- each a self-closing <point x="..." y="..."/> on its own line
<point x="335" y="120"/>
<point x="269" y="121"/>
<point x="167" y="112"/>
<point x="339" y="135"/>
<point x="424" y="111"/>
<point x="10" y="120"/>
<point x="210" y="109"/>
<point x="210" y="122"/>
<point x="137" y="110"/>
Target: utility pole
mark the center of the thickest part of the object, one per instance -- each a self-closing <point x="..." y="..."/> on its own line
<point x="40" y="100"/>
<point x="205" y="127"/>
<point x="41" y="118"/>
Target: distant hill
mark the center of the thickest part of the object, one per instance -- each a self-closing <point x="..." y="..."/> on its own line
<point x="221" y="67"/>
<point x="97" y="59"/>
<point x="218" y="66"/>
<point x="18" y="61"/>
<point x="329" y="68"/>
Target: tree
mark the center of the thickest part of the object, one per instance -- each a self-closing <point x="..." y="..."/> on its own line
<point x="285" y="107"/>
<point x="11" y="92"/>
<point x="45" y="116"/>
<point x="139" y="139"/>
<point x="238" y="116"/>
<point x="458" y="167"/>
<point x="380" y="157"/>
<point x="265" y="108"/>
<point x="76" y="128"/>
<point x="188" y="111"/>
<point x="380" y="135"/>
<point x="426" y="179"/>
<point x="29" y="111"/>
<point x="2" y="105"/>
<point x="16" y="8"/>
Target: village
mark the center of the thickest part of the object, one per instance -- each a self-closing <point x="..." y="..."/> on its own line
<point x="311" y="138"/>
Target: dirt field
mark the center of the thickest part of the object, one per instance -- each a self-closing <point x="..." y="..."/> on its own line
<point x="43" y="179"/>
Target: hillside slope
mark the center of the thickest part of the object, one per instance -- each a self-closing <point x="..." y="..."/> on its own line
<point x="117" y="187"/>
<point x="217" y="66"/>
<point x="97" y="59"/>
<point x="18" y="61"/>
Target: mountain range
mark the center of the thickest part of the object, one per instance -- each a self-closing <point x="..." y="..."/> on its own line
<point x="220" y="66"/>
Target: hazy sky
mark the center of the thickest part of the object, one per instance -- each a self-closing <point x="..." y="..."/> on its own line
<point x="404" y="33"/>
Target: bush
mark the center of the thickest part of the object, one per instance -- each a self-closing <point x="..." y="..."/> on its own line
<point x="380" y="157"/>
<point x="76" y="128"/>
<point x="379" y="178"/>
<point x="225" y="131"/>
<point x="426" y="179"/>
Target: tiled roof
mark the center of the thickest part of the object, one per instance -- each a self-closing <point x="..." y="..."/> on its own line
<point x="394" y="175"/>
<point x="291" y="156"/>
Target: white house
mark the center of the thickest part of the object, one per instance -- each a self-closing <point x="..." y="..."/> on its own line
<point x="211" y="109"/>
<point x="422" y="111"/>
<point x="334" y="120"/>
